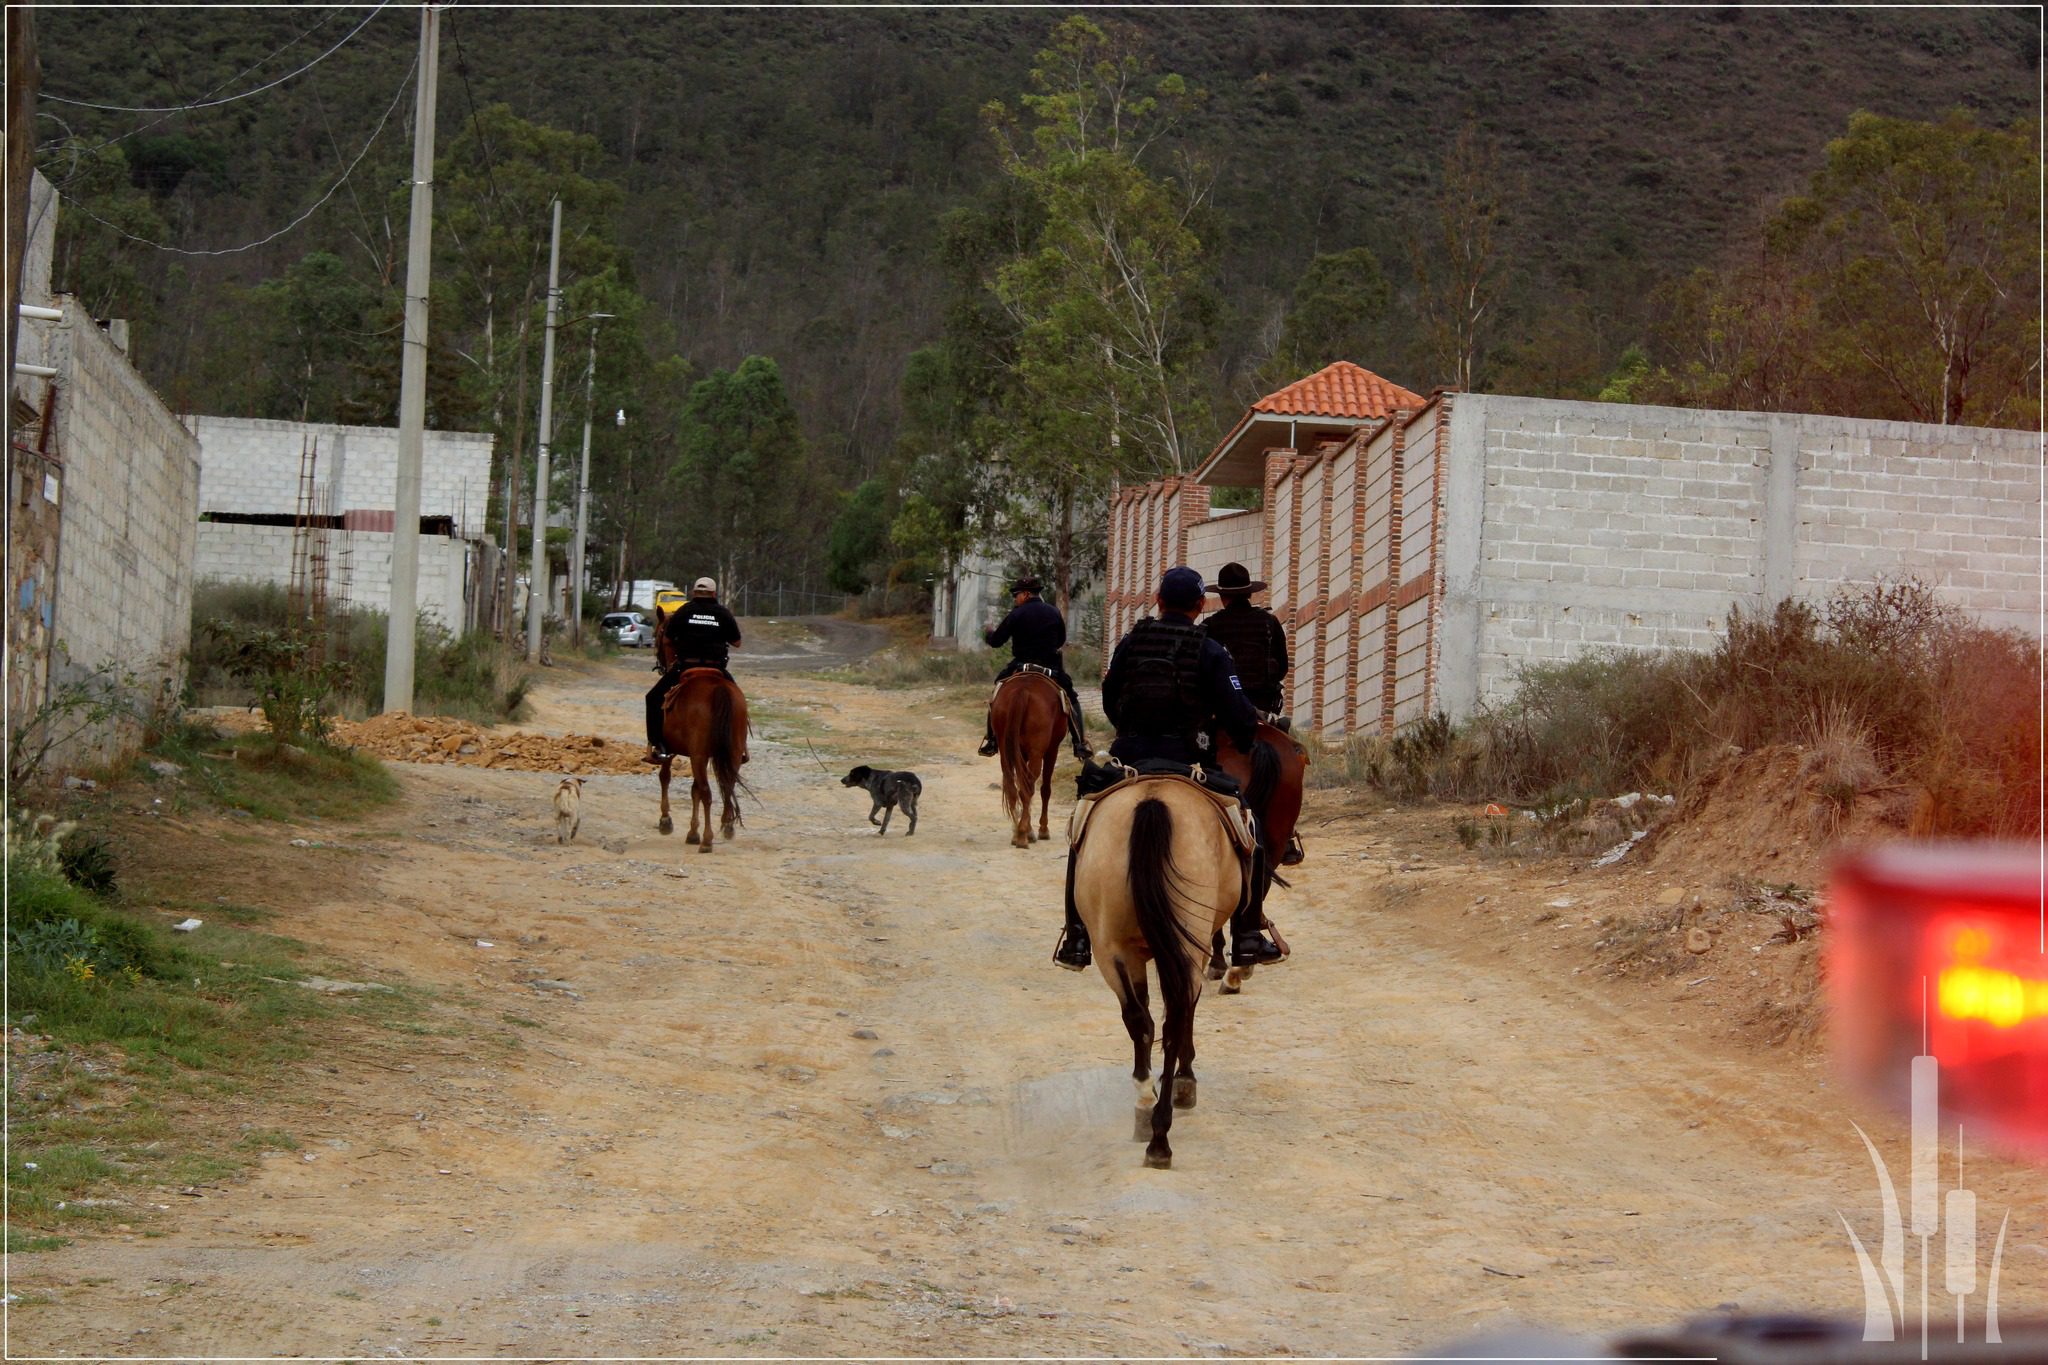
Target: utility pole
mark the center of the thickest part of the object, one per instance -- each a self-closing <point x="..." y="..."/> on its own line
<point x="583" y="487"/>
<point x="412" y="383"/>
<point x="536" y="578"/>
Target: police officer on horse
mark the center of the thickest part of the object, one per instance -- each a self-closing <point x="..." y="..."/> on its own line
<point x="701" y="634"/>
<point x="1035" y="633"/>
<point x="1255" y="638"/>
<point x="1167" y="682"/>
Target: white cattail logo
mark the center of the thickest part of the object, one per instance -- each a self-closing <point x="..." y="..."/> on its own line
<point x="1928" y="1213"/>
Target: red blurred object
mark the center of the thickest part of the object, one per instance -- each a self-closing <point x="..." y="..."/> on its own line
<point x="1937" y="949"/>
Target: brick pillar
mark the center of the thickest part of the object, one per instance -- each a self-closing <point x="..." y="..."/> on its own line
<point x="1351" y="643"/>
<point x="1393" y="641"/>
<point x="1194" y="510"/>
<point x="1436" y="556"/>
<point x="1321" y="621"/>
<point x="1292" y="617"/>
<point x="1276" y="469"/>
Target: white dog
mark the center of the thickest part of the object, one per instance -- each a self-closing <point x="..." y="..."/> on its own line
<point x="568" y="809"/>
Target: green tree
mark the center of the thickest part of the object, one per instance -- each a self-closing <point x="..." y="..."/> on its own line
<point x="101" y="210"/>
<point x="1922" y="245"/>
<point x="1336" y="309"/>
<point x="314" y="325"/>
<point x="859" y="538"/>
<point x="1111" y="301"/>
<point x="742" y="484"/>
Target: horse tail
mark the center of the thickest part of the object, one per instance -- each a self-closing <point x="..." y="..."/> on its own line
<point x="724" y="742"/>
<point x="1152" y="876"/>
<point x="1010" y="742"/>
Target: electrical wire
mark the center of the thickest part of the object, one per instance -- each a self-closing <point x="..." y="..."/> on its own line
<point x="332" y="190"/>
<point x="229" y="99"/>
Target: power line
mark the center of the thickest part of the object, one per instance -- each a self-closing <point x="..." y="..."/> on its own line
<point x="332" y="190"/>
<point x="230" y="99"/>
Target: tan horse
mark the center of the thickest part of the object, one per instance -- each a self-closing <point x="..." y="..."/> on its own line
<point x="1154" y="879"/>
<point x="1272" y="776"/>
<point x="1030" y="719"/>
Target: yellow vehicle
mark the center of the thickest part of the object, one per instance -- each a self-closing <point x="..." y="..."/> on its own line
<point x="667" y="600"/>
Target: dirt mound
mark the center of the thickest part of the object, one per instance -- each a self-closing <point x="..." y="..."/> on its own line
<point x="404" y="738"/>
<point x="1771" y="814"/>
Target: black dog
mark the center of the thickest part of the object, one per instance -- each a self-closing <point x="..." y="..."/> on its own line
<point x="889" y="791"/>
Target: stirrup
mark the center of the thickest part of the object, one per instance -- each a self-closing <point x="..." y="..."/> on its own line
<point x="1295" y="852"/>
<point x="987" y="749"/>
<point x="656" y="754"/>
<point x="1073" y="951"/>
<point x="1243" y="953"/>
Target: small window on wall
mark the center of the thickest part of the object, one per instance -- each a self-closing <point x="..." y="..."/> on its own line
<point x="1236" y="499"/>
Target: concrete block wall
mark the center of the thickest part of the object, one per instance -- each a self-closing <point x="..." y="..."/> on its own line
<point x="1152" y="527"/>
<point x="128" y="522"/>
<point x="1573" y="525"/>
<point x="251" y="465"/>
<point x="237" y="552"/>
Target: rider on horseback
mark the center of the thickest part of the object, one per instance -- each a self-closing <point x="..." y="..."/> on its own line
<point x="1167" y="682"/>
<point x="1035" y="634"/>
<point x="1255" y="638"/>
<point x="701" y="634"/>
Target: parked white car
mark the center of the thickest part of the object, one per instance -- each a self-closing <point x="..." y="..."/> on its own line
<point x="629" y="628"/>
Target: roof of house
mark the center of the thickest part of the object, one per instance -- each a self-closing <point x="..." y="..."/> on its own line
<point x="1339" y="390"/>
<point x="1327" y="403"/>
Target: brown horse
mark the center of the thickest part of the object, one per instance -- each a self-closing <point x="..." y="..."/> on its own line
<point x="1272" y="777"/>
<point x="703" y="719"/>
<point x="1156" y="876"/>
<point x="1030" y="720"/>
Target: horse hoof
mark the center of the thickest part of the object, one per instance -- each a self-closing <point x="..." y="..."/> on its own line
<point x="1160" y="1160"/>
<point x="1141" y="1126"/>
<point x="704" y="847"/>
<point x="1231" y="988"/>
<point x="1184" y="1092"/>
<point x="1019" y="841"/>
<point x="1215" y="973"/>
<point x="667" y="827"/>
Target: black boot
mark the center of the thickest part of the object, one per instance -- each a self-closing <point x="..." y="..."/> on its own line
<point x="1073" y="951"/>
<point x="988" y="740"/>
<point x="1294" y="852"/>
<point x="1249" y="946"/>
<point x="1075" y="733"/>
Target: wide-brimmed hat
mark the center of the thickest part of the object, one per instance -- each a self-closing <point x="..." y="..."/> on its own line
<point x="704" y="587"/>
<point x="1234" y="579"/>
<point x="1027" y="583"/>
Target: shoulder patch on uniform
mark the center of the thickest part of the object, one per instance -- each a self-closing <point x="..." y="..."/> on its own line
<point x="1235" y="683"/>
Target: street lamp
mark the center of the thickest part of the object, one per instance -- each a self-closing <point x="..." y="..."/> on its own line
<point x="576" y="569"/>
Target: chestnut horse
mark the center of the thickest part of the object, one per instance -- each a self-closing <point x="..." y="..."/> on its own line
<point x="1155" y="878"/>
<point x="1272" y="777"/>
<point x="1030" y="719"/>
<point x="703" y="719"/>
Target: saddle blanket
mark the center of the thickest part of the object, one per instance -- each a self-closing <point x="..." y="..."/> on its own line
<point x="1042" y="672"/>
<point x="1228" y="809"/>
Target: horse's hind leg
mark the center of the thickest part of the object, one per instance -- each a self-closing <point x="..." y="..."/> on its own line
<point x="728" y="812"/>
<point x="1184" y="1075"/>
<point x="1159" y="1152"/>
<point x="667" y="826"/>
<point x="1050" y="761"/>
<point x="1137" y="1009"/>
<point x="700" y="795"/>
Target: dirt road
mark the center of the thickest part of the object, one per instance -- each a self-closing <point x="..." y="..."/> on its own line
<point x="820" y="1093"/>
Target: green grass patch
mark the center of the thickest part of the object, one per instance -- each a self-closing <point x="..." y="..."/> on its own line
<point x="252" y="774"/>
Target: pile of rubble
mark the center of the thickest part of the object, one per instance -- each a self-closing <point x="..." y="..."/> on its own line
<point x="404" y="738"/>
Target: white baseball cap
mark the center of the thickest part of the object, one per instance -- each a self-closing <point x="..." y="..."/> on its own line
<point x="705" y="585"/>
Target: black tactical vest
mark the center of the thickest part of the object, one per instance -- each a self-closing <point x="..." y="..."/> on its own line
<point x="1247" y="634"/>
<point x="1160" y="692"/>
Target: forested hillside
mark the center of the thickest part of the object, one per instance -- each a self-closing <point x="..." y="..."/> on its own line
<point x="778" y="183"/>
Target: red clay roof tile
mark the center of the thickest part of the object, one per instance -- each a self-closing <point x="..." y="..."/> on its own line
<point x="1339" y="390"/>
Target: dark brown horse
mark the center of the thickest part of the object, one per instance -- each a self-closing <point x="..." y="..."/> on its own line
<point x="1030" y="720"/>
<point x="704" y="719"/>
<point x="1272" y="777"/>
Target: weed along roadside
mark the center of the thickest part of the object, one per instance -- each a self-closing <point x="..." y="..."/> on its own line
<point x="153" y="1002"/>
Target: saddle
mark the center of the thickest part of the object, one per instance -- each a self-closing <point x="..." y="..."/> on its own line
<point x="672" y="698"/>
<point x="1218" y="786"/>
<point x="1042" y="671"/>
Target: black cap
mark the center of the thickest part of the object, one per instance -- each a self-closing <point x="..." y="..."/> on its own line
<point x="1180" y="589"/>
<point x="1026" y="584"/>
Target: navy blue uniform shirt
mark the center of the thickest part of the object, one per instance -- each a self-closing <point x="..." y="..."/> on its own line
<point x="1034" y="632"/>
